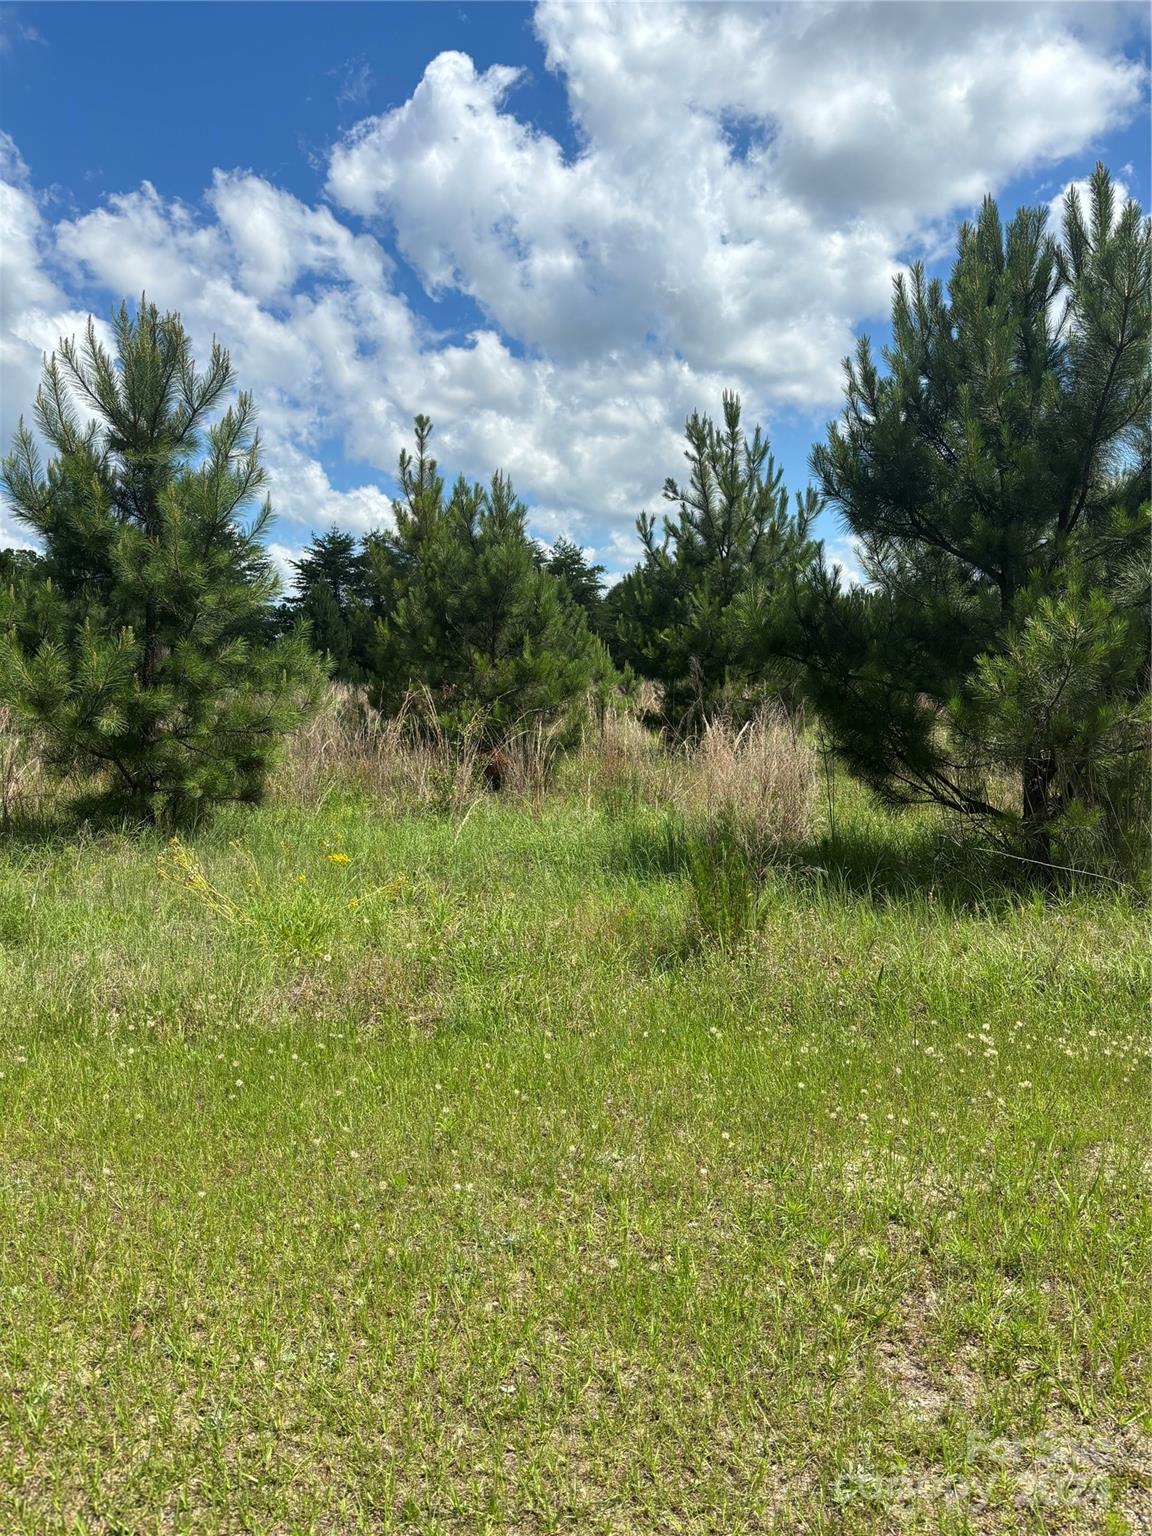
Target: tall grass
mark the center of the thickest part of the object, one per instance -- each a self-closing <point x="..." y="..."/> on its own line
<point x="762" y="777"/>
<point x="402" y="761"/>
<point x="409" y="762"/>
<point x="21" y="776"/>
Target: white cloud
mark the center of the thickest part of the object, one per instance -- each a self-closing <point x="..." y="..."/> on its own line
<point x="14" y="32"/>
<point x="620" y="249"/>
<point x="344" y="357"/>
<point x="306" y="498"/>
<point x="34" y="311"/>
<point x="748" y="177"/>
<point x="748" y="181"/>
<point x="844" y="554"/>
<point x="282" y="557"/>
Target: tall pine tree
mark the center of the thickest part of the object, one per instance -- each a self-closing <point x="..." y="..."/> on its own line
<point x="584" y="581"/>
<point x="142" y="656"/>
<point x="996" y="476"/>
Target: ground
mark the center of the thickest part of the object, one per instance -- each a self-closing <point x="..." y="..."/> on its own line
<point x="447" y="1173"/>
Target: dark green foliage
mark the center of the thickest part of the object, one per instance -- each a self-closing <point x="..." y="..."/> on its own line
<point x="996" y="476"/>
<point x="471" y="616"/>
<point x="26" y="599"/>
<point x="569" y="564"/>
<point x="677" y="618"/>
<point x="140" y="654"/>
<point x="19" y="568"/>
<point x="333" y="597"/>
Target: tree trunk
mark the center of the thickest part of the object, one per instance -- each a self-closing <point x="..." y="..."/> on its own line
<point x="1037" y="808"/>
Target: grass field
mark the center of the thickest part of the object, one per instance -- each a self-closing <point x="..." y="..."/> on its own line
<point x="435" y="1173"/>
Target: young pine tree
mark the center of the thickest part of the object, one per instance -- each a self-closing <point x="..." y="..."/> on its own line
<point x="678" y="617"/>
<point x="472" y="617"/>
<point x="141" y="656"/>
<point x="332" y="598"/>
<point x="996" y="477"/>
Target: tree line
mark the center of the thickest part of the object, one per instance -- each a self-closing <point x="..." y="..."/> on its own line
<point x="992" y="465"/>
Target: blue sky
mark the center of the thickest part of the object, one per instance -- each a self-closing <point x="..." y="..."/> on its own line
<point x="555" y="229"/>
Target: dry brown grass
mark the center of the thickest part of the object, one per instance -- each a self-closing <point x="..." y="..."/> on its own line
<point x="21" y="774"/>
<point x="763" y="775"/>
<point x="400" y="760"/>
<point x="408" y="761"/>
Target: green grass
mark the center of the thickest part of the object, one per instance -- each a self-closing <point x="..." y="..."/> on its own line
<point x="516" y="1199"/>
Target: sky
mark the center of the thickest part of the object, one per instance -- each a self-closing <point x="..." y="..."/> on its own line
<point x="555" y="229"/>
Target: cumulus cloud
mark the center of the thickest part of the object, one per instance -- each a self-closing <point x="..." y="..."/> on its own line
<point x="34" y="311"/>
<point x="661" y="241"/>
<point x="747" y="181"/>
<point x="335" y="355"/>
<point x="844" y="554"/>
<point x="1083" y="190"/>
<point x="749" y="176"/>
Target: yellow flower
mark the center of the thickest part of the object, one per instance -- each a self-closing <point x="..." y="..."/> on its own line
<point x="353" y="902"/>
<point x="338" y="858"/>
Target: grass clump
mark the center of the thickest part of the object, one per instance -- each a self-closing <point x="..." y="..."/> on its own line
<point x="726" y="880"/>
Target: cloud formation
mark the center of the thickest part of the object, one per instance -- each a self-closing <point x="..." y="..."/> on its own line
<point x="747" y="182"/>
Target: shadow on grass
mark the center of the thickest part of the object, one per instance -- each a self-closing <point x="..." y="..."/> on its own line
<point x="652" y="847"/>
<point x="84" y="826"/>
<point x="956" y="872"/>
<point x="47" y="830"/>
<point x="884" y="866"/>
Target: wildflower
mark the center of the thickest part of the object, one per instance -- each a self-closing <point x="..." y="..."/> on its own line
<point x="353" y="902"/>
<point x="338" y="858"/>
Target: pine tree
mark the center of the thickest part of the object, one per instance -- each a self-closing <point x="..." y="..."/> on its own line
<point x="678" y="617"/>
<point x="151" y="674"/>
<point x="996" y="478"/>
<point x="471" y="615"/>
<point x="332" y="598"/>
<point x="583" y="580"/>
